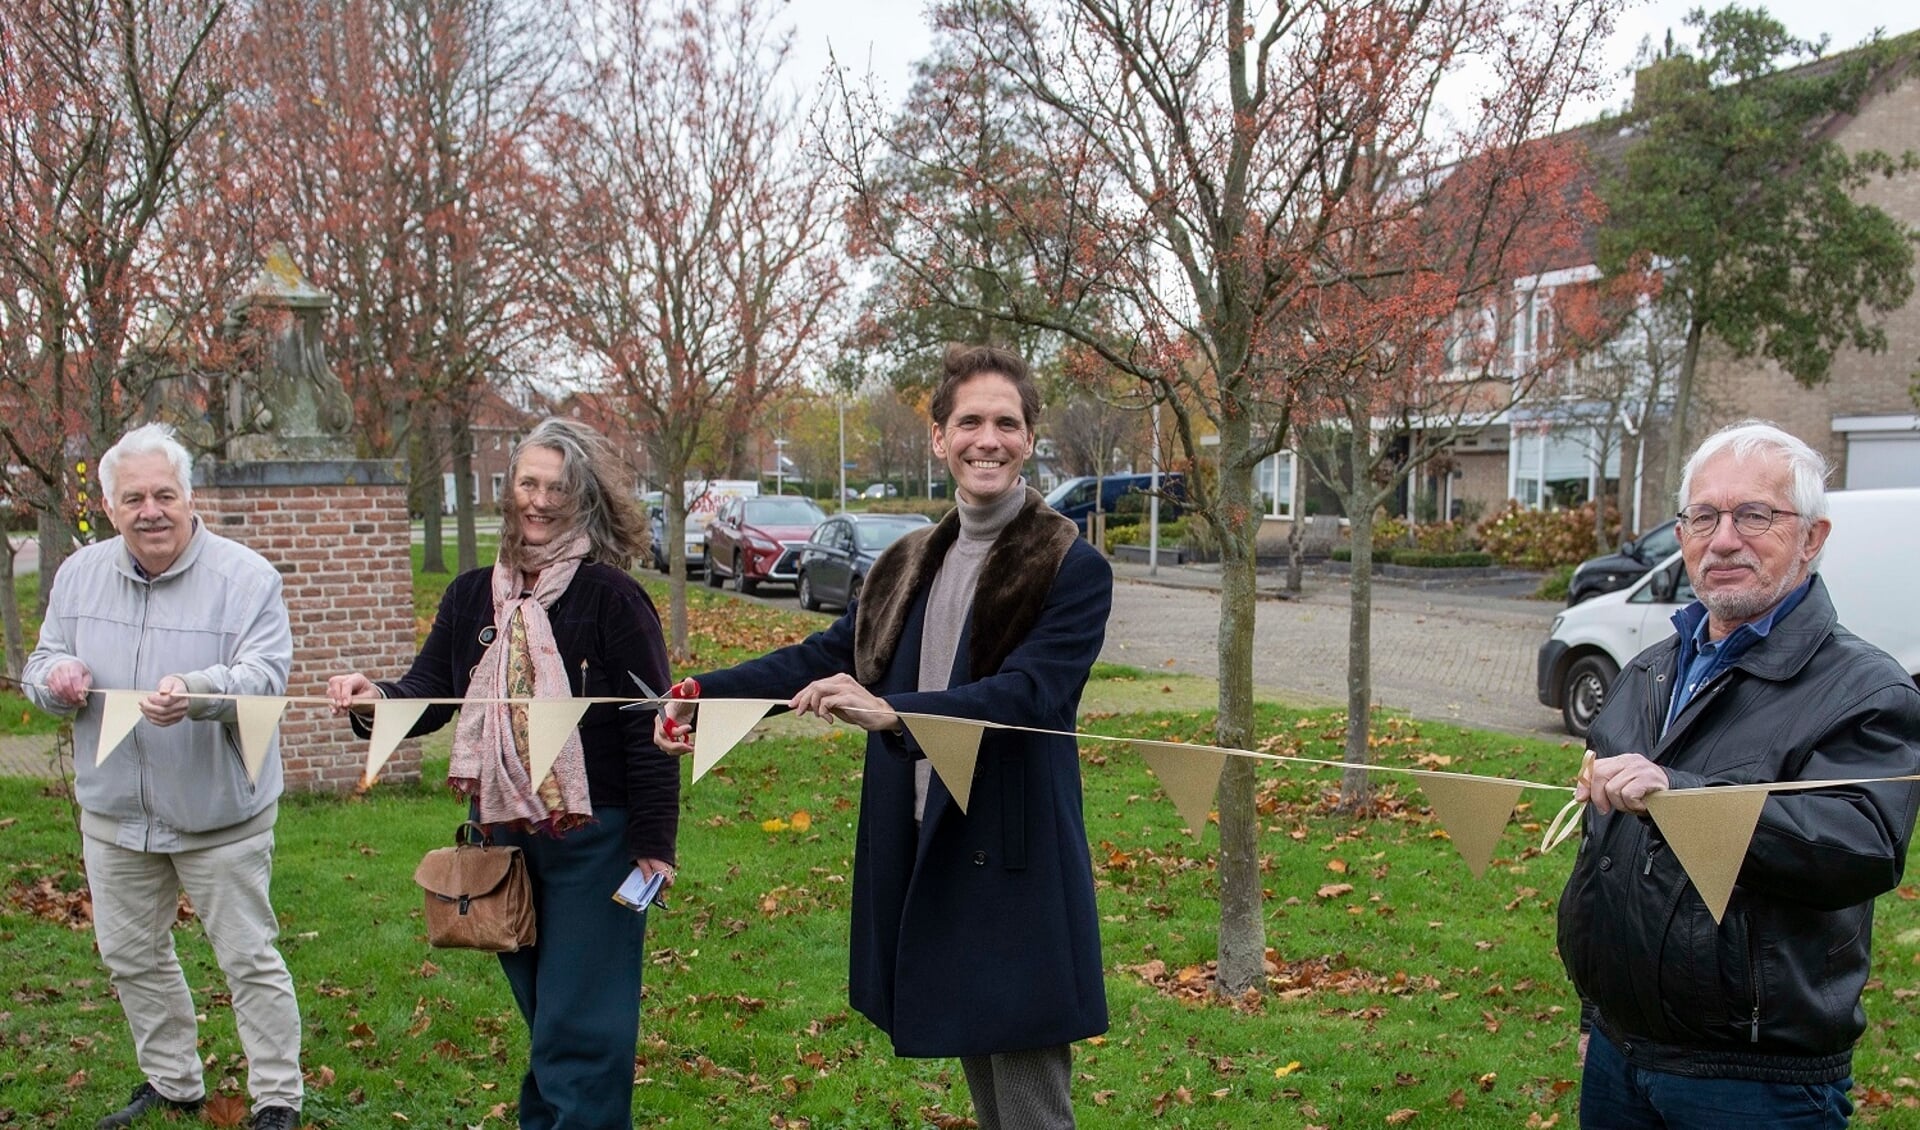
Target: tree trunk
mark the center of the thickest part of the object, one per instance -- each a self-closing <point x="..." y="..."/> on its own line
<point x="673" y="496"/>
<point x="427" y="493"/>
<point x="1355" y="784"/>
<point x="1296" y="528"/>
<point x="468" y="551"/>
<point x="14" y="630"/>
<point x="56" y="541"/>
<point x="1629" y="483"/>
<point x="1677" y="447"/>
<point x="1242" y="938"/>
<point x="1604" y="441"/>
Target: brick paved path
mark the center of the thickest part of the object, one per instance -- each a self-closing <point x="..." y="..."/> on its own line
<point x="1440" y="655"/>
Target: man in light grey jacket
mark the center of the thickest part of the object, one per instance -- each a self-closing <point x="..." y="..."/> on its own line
<point x="171" y="608"/>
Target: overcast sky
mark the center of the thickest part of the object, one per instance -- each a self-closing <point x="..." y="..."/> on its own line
<point x="886" y="36"/>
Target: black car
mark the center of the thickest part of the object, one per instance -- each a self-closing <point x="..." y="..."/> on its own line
<point x="836" y="558"/>
<point x="1618" y="570"/>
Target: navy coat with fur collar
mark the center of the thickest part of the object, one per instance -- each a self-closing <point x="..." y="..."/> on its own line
<point x="975" y="933"/>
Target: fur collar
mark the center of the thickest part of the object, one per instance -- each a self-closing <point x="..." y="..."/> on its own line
<point x="1014" y="582"/>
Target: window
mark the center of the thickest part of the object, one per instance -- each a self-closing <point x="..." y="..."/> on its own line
<point x="1274" y="479"/>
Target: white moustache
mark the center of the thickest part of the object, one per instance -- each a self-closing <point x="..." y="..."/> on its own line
<point x="1743" y="560"/>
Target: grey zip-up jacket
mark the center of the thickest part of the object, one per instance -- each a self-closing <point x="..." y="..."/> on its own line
<point x="216" y="619"/>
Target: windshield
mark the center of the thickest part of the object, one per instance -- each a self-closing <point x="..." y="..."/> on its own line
<point x="880" y="535"/>
<point x="1660" y="541"/>
<point x="782" y="512"/>
<point x="1073" y="492"/>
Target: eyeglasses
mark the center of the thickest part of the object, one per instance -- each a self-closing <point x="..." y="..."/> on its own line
<point x="1750" y="518"/>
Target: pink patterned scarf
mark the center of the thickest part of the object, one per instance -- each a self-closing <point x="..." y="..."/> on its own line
<point x="490" y="762"/>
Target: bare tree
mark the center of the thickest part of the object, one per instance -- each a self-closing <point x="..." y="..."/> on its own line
<point x="1199" y="162"/>
<point x="98" y="101"/>
<point x="699" y="268"/>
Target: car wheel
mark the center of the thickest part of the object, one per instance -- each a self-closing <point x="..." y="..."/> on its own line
<point x="853" y="591"/>
<point x="1584" y="692"/>
<point x="713" y="574"/>
<point x="805" y="593"/>
<point x="740" y="583"/>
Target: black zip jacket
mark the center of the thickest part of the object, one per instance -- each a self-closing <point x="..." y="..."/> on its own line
<point x="1772" y="993"/>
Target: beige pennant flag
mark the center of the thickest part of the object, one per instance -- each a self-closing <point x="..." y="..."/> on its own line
<point x="1709" y="830"/>
<point x="256" y="717"/>
<point x="720" y="724"/>
<point x="952" y="745"/>
<point x="549" y="721"/>
<point x="1190" y="775"/>
<point x="1473" y="810"/>
<point x="392" y="718"/>
<point x="119" y="713"/>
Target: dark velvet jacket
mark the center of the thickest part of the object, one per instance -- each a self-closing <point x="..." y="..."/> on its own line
<point x="976" y="932"/>
<point x="1771" y="992"/>
<point x="605" y="627"/>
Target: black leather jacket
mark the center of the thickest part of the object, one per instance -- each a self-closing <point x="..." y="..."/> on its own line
<point x="1772" y="993"/>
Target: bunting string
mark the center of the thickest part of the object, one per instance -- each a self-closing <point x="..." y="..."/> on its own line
<point x="1708" y="828"/>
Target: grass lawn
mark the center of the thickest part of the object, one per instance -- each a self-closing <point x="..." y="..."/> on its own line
<point x="1401" y="984"/>
<point x="17" y="715"/>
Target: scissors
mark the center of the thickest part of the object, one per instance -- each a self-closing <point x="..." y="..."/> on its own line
<point x="671" y="727"/>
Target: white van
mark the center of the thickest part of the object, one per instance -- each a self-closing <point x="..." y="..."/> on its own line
<point x="1869" y="567"/>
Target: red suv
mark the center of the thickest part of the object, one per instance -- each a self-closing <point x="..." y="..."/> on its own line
<point x="753" y="540"/>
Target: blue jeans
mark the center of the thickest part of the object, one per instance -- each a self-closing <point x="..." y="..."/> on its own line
<point x="1616" y="1095"/>
<point x="579" y="986"/>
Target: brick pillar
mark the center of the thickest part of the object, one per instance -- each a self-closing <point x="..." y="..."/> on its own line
<point x="338" y="532"/>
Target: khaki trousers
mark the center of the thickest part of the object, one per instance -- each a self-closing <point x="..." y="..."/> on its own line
<point x="135" y="900"/>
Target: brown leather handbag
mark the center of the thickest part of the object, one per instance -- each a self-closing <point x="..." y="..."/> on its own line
<point x="477" y="894"/>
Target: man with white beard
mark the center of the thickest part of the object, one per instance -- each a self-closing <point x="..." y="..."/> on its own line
<point x="1751" y="1020"/>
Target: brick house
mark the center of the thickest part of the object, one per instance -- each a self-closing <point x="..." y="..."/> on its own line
<point x="1552" y="449"/>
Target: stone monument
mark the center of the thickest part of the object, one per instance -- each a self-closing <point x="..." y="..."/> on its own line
<point x="335" y="526"/>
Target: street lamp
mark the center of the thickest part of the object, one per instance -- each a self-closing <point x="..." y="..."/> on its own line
<point x="779" y="466"/>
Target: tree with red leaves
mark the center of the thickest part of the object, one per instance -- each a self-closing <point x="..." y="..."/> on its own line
<point x="699" y="269"/>
<point x="391" y="146"/>
<point x="98" y="103"/>
<point x="1224" y="182"/>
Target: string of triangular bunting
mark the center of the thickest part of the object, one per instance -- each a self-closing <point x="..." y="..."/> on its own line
<point x="1709" y="829"/>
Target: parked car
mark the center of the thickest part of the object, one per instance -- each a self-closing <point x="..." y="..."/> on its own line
<point x="834" y="562"/>
<point x="1875" y="540"/>
<point x="1076" y="497"/>
<point x="1613" y="571"/>
<point x="754" y="541"/>
<point x="880" y="490"/>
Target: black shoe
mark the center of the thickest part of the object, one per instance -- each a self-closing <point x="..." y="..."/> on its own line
<point x="276" y="1118"/>
<point x="147" y="1101"/>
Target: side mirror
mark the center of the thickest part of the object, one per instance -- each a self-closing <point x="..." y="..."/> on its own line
<point x="1663" y="585"/>
<point x="1630" y="547"/>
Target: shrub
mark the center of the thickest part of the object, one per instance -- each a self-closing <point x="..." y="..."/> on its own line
<point x="1542" y="539"/>
<point x="1135" y="533"/>
<point x="1198" y="537"/>
<point x="1554" y="585"/>
<point x="1430" y="559"/>
<point x="1389" y="533"/>
<point x="1445" y="537"/>
<point x="1382" y="555"/>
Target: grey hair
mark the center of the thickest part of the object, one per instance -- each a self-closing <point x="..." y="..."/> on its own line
<point x="147" y="439"/>
<point x="598" y="485"/>
<point x="1752" y="437"/>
